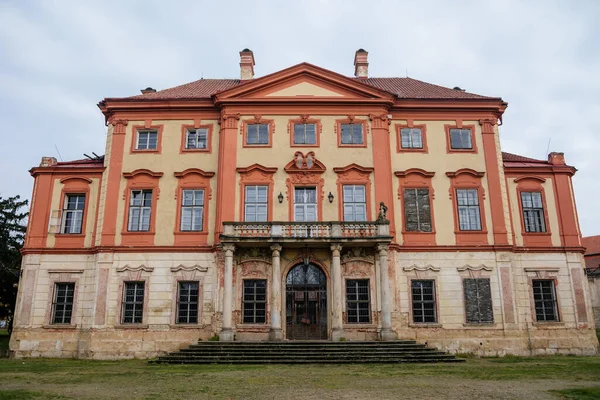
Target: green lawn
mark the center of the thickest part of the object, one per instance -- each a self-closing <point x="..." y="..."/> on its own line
<point x="492" y="378"/>
<point x="3" y="339"/>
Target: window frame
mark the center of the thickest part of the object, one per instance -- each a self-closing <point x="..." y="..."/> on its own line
<point x="468" y="207"/>
<point x="459" y="125"/>
<point x="410" y="125"/>
<point x="555" y="300"/>
<point x="184" y="133"/>
<point x="257" y="121"/>
<point x="192" y="207"/>
<point x="304" y="119"/>
<point x="199" y="303"/>
<point x="246" y="203"/>
<point x="351" y="121"/>
<point x="404" y="209"/>
<point x="477" y="278"/>
<point x="316" y="203"/>
<point x="65" y="211"/>
<point x="541" y="212"/>
<point x="141" y="208"/>
<point x="348" y="283"/>
<point x="140" y="179"/>
<point x="123" y="303"/>
<point x="254" y="302"/>
<point x="466" y="178"/>
<point x="435" y="303"/>
<point x="354" y="203"/>
<point x="54" y="303"/>
<point x="531" y="183"/>
<point x="144" y="128"/>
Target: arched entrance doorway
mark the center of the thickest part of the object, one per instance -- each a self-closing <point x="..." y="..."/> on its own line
<point x="306" y="303"/>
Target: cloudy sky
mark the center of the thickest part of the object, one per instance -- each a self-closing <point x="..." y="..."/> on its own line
<point x="59" y="58"/>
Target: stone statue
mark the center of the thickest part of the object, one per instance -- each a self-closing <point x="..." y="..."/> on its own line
<point x="382" y="217"/>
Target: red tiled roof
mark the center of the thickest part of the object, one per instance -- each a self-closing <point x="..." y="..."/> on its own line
<point x="404" y="88"/>
<point x="592" y="244"/>
<point x="517" y="158"/>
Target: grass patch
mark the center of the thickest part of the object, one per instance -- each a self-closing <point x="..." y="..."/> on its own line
<point x="136" y="379"/>
<point x="591" y="393"/>
<point x="3" y="341"/>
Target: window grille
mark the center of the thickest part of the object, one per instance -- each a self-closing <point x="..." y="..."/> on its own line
<point x="256" y="203"/>
<point x="478" y="300"/>
<point x="305" y="133"/>
<point x="417" y="210"/>
<point x="72" y="214"/>
<point x="257" y="134"/>
<point x="192" y="210"/>
<point x="147" y="140"/>
<point x="423" y="301"/>
<point x="133" y="302"/>
<point x="460" y="139"/>
<point x="411" y="138"/>
<point x="358" y="305"/>
<point x="355" y="203"/>
<point x="468" y="210"/>
<point x="187" y="303"/>
<point x="196" y="138"/>
<point x="255" y="301"/>
<point x="544" y="296"/>
<point x="352" y="133"/>
<point x="533" y="212"/>
<point x="140" y="210"/>
<point x="62" y="304"/>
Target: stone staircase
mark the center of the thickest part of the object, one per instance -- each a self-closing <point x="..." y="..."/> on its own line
<point x="306" y="352"/>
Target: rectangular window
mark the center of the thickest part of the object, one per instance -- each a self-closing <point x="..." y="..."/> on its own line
<point x="305" y="204"/>
<point x="187" y="303"/>
<point x="352" y="133"/>
<point x="478" y="300"/>
<point x="544" y="297"/>
<point x="192" y="210"/>
<point x="256" y="204"/>
<point x="460" y="139"/>
<point x="533" y="212"/>
<point x="140" y="210"/>
<point x="196" y="138"/>
<point x="147" y="140"/>
<point x="305" y="133"/>
<point x="411" y="138"/>
<point x="423" y="301"/>
<point x="255" y="301"/>
<point x="355" y="203"/>
<point x="417" y="210"/>
<point x="358" y="306"/>
<point x="468" y="209"/>
<point x="257" y="134"/>
<point x="72" y="215"/>
<point x="133" y="302"/>
<point x="62" y="304"/>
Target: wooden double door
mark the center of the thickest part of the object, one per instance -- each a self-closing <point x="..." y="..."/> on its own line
<point x="306" y="303"/>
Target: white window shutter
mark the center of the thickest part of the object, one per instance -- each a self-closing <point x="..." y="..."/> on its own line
<point x="54" y="223"/>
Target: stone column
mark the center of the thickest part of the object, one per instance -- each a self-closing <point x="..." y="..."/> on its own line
<point x="226" y="334"/>
<point x="276" y="333"/>
<point x="337" y="330"/>
<point x="386" y="314"/>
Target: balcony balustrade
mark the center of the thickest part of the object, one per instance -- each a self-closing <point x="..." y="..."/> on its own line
<point x="368" y="231"/>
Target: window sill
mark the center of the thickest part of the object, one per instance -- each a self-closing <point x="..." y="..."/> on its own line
<point x="70" y="235"/>
<point x="349" y="325"/>
<point x="137" y="233"/>
<point x="424" y="325"/>
<point x="352" y="145"/>
<point x="195" y="150"/>
<point x="258" y="146"/>
<point x="59" y="326"/>
<point x="480" y="324"/>
<point x="304" y="145"/>
<point x="411" y="150"/>
<point x="549" y="324"/>
<point x="458" y="232"/>
<point x="541" y="234"/>
<point x="187" y="326"/>
<point x="451" y="150"/>
<point x="131" y="326"/>
<point x="155" y="151"/>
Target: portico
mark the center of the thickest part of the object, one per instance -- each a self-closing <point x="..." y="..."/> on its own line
<point x="303" y="270"/>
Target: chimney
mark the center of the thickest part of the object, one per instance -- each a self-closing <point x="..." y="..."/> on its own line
<point x="556" y="158"/>
<point x="246" y="64"/>
<point x="148" y="90"/>
<point x="361" y="64"/>
<point x="48" y="162"/>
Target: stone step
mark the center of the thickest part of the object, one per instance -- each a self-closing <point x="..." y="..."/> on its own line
<point x="308" y="351"/>
<point x="319" y="343"/>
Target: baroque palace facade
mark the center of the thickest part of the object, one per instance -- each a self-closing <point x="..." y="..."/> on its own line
<point x="303" y="205"/>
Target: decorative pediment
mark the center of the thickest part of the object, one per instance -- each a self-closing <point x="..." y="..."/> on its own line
<point x="358" y="254"/>
<point x="463" y="171"/>
<point x="142" y="172"/>
<point x="414" y="171"/>
<point x="134" y="273"/>
<point x="255" y="171"/>
<point x="353" y="172"/>
<point x="542" y="272"/>
<point x="474" y="272"/>
<point x="419" y="272"/>
<point x="305" y="163"/>
<point x="76" y="179"/>
<point x="306" y="83"/>
<point x="65" y="275"/>
<point x="194" y="171"/>
<point x="188" y="273"/>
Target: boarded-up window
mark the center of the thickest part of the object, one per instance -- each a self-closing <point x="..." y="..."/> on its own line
<point x="417" y="210"/>
<point x="478" y="300"/>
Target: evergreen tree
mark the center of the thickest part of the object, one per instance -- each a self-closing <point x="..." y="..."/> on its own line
<point x="12" y="233"/>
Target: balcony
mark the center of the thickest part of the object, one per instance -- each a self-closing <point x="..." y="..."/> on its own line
<point x="306" y="232"/>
